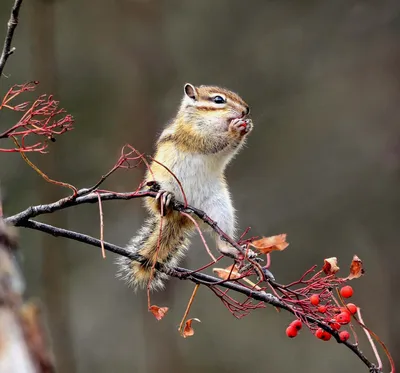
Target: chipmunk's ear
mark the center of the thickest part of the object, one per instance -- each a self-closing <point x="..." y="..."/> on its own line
<point x="191" y="91"/>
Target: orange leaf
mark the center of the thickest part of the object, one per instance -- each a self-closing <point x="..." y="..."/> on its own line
<point x="267" y="244"/>
<point x="158" y="312"/>
<point x="356" y="268"/>
<point x="224" y="273"/>
<point x="188" y="330"/>
<point x="330" y="266"/>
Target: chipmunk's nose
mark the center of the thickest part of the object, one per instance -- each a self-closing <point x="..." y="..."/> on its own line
<point x="246" y="111"/>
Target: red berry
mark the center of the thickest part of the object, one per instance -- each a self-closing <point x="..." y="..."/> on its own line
<point x="343" y="318"/>
<point x="346" y="291"/>
<point x="322" y="309"/>
<point x="291" y="331"/>
<point x="335" y="326"/>
<point x="326" y="336"/>
<point x="344" y="335"/>
<point x="322" y="334"/>
<point x="352" y="308"/>
<point x="314" y="299"/>
<point x="344" y="309"/>
<point x="296" y="324"/>
<point x="319" y="333"/>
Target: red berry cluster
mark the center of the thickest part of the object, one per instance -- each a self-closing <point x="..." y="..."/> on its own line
<point x="293" y="328"/>
<point x="335" y="317"/>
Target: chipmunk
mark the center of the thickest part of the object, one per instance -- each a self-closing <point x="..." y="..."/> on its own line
<point x="210" y="127"/>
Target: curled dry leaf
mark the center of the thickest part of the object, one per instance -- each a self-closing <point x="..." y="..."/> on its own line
<point x="356" y="268"/>
<point x="188" y="331"/>
<point x="233" y="270"/>
<point x="267" y="244"/>
<point x="158" y="312"/>
<point x="330" y="266"/>
<point x="232" y="273"/>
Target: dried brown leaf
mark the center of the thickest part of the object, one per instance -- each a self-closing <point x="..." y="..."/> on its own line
<point x="232" y="270"/>
<point x="158" y="312"/>
<point x="356" y="268"/>
<point x="267" y="244"/>
<point x="330" y="266"/>
<point x="188" y="331"/>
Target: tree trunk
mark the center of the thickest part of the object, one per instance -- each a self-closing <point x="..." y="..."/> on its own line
<point x="22" y="342"/>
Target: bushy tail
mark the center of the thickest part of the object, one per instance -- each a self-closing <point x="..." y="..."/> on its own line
<point x="171" y="246"/>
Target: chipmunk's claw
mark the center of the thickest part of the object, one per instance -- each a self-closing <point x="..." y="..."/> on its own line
<point x="250" y="254"/>
<point x="165" y="198"/>
<point x="242" y="126"/>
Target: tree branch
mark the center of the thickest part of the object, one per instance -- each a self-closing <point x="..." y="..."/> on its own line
<point x="93" y="197"/>
<point x="24" y="219"/>
<point x="34" y="211"/>
<point x="11" y="26"/>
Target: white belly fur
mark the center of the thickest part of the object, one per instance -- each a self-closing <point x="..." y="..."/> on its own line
<point x="200" y="177"/>
<point x="202" y="180"/>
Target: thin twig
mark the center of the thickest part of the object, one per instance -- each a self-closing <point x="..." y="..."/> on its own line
<point x="180" y="329"/>
<point x="371" y="341"/>
<point x="103" y="251"/>
<point x="201" y="236"/>
<point x="176" y="179"/>
<point x="11" y="26"/>
<point x="41" y="173"/>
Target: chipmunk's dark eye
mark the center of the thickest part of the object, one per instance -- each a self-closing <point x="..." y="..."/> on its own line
<point x="219" y="100"/>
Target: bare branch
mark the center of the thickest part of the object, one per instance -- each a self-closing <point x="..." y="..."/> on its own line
<point x="93" y="197"/>
<point x="34" y="211"/>
<point x="11" y="26"/>
<point x="197" y="278"/>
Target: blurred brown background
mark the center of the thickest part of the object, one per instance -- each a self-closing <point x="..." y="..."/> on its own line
<point x="322" y="78"/>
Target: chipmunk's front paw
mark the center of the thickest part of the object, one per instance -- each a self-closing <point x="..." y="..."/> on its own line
<point x="165" y="198"/>
<point x="241" y="126"/>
